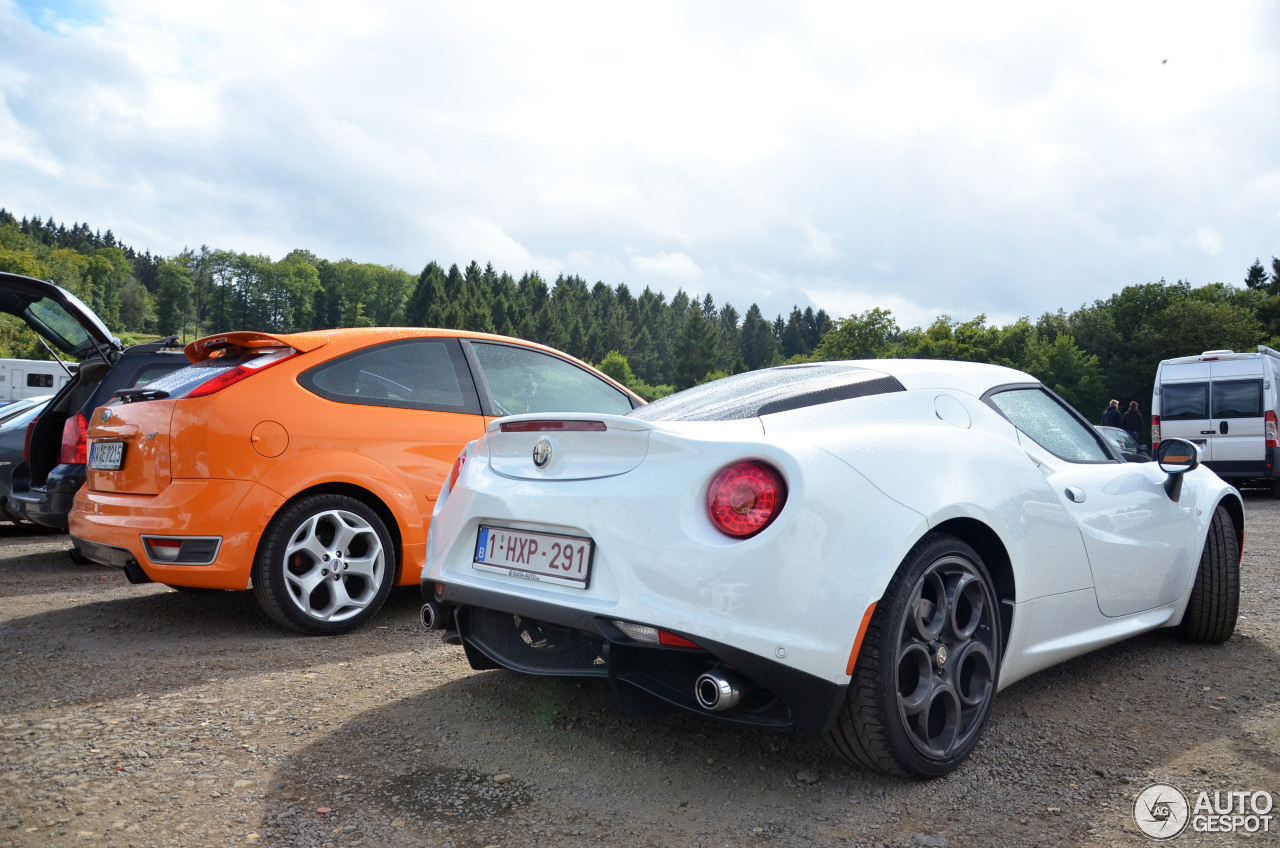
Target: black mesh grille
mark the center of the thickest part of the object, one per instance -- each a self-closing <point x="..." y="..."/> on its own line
<point x="876" y="386"/>
<point x="534" y="647"/>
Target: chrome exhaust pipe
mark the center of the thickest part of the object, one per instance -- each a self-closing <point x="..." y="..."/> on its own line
<point x="720" y="689"/>
<point x="434" y="616"/>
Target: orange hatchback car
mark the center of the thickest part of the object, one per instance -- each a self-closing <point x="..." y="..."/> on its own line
<point x="305" y="466"/>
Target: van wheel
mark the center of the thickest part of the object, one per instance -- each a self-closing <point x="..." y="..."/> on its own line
<point x="325" y="566"/>
<point x="1215" y="599"/>
<point x="1275" y="488"/>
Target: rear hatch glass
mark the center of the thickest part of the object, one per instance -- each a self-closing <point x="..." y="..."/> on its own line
<point x="54" y="313"/>
<point x="178" y="384"/>
<point x="757" y="393"/>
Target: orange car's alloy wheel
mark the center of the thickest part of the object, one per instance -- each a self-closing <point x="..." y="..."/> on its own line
<point x="326" y="565"/>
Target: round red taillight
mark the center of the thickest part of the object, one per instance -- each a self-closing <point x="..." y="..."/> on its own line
<point x="744" y="498"/>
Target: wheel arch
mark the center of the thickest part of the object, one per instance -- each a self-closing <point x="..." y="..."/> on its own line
<point x="361" y="494"/>
<point x="1235" y="508"/>
<point x="995" y="557"/>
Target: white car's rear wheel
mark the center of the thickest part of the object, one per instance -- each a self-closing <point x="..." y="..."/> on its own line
<point x="926" y="674"/>
<point x="326" y="565"/>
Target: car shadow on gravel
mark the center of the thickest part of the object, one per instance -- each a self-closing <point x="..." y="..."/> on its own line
<point x="1069" y="748"/>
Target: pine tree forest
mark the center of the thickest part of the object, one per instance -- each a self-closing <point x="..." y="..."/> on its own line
<point x="1107" y="349"/>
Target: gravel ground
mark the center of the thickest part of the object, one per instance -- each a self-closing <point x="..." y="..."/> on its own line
<point x="142" y="716"/>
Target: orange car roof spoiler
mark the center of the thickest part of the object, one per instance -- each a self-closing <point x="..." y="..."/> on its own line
<point x="213" y="346"/>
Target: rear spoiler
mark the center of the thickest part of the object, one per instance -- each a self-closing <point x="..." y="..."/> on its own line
<point x="214" y="346"/>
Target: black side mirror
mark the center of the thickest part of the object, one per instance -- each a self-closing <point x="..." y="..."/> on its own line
<point x="1175" y="458"/>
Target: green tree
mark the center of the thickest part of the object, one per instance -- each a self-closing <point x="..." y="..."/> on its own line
<point x="868" y="335"/>
<point x="697" y="349"/>
<point x="759" y="347"/>
<point x="173" y="299"/>
<point x="1256" y="277"/>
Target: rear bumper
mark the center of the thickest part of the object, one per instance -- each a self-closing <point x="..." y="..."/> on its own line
<point x="50" y="504"/>
<point x="1260" y="470"/>
<point x="566" y="642"/>
<point x="108" y="528"/>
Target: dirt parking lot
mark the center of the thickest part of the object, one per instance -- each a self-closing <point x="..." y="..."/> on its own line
<point x="142" y="716"/>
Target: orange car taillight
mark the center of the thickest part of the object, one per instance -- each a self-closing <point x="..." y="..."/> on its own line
<point x="74" y="444"/>
<point x="235" y="375"/>
<point x="1155" y="433"/>
<point x="744" y="498"/>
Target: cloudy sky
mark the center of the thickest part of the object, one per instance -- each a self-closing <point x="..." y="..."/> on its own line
<point x="948" y="158"/>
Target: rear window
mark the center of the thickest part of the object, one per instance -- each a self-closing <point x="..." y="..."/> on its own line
<point x="771" y="390"/>
<point x="179" y="383"/>
<point x="1237" y="399"/>
<point x="1184" y="401"/>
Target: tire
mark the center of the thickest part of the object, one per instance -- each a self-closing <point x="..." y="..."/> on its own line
<point x="326" y="564"/>
<point x="1215" y="598"/>
<point x="926" y="673"/>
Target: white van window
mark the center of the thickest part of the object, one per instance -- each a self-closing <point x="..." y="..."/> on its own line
<point x="1237" y="399"/>
<point x="1184" y="401"/>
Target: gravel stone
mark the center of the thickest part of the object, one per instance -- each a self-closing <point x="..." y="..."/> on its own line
<point x="141" y="717"/>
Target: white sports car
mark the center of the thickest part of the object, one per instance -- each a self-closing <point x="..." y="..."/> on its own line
<point x="868" y="549"/>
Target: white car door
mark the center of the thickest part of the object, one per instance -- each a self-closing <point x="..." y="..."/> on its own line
<point x="1138" y="540"/>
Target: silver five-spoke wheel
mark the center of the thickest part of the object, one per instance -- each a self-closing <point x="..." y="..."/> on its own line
<point x="326" y="565"/>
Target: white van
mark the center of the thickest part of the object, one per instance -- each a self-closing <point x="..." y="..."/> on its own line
<point x="24" y="378"/>
<point x="1226" y="402"/>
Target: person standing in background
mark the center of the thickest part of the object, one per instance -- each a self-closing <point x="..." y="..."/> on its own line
<point x="1111" y="415"/>
<point x="1131" y="421"/>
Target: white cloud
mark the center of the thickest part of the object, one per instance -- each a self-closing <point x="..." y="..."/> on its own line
<point x="1000" y="158"/>
<point x="1206" y="240"/>
<point x="676" y="268"/>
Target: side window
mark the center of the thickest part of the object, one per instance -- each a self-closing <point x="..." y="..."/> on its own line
<point x="525" y="380"/>
<point x="40" y="381"/>
<point x="1184" y="401"/>
<point x="1050" y="424"/>
<point x="1237" y="399"/>
<point x="410" y="374"/>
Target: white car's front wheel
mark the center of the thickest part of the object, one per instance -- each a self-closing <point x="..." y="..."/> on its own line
<point x="926" y="675"/>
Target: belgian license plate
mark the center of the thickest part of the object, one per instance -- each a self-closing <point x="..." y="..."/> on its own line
<point x="541" y="557"/>
<point x="106" y="456"/>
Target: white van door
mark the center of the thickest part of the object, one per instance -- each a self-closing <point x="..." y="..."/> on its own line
<point x="1184" y="405"/>
<point x="1237" y="423"/>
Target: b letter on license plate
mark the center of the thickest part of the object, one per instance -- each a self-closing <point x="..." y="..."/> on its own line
<point x="541" y="557"/>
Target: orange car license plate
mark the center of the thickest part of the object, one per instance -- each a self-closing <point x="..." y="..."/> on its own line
<point x="106" y="456"/>
<point x="543" y="557"/>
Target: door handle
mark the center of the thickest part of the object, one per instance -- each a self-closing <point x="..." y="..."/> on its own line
<point x="1074" y="494"/>
<point x="1222" y="428"/>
